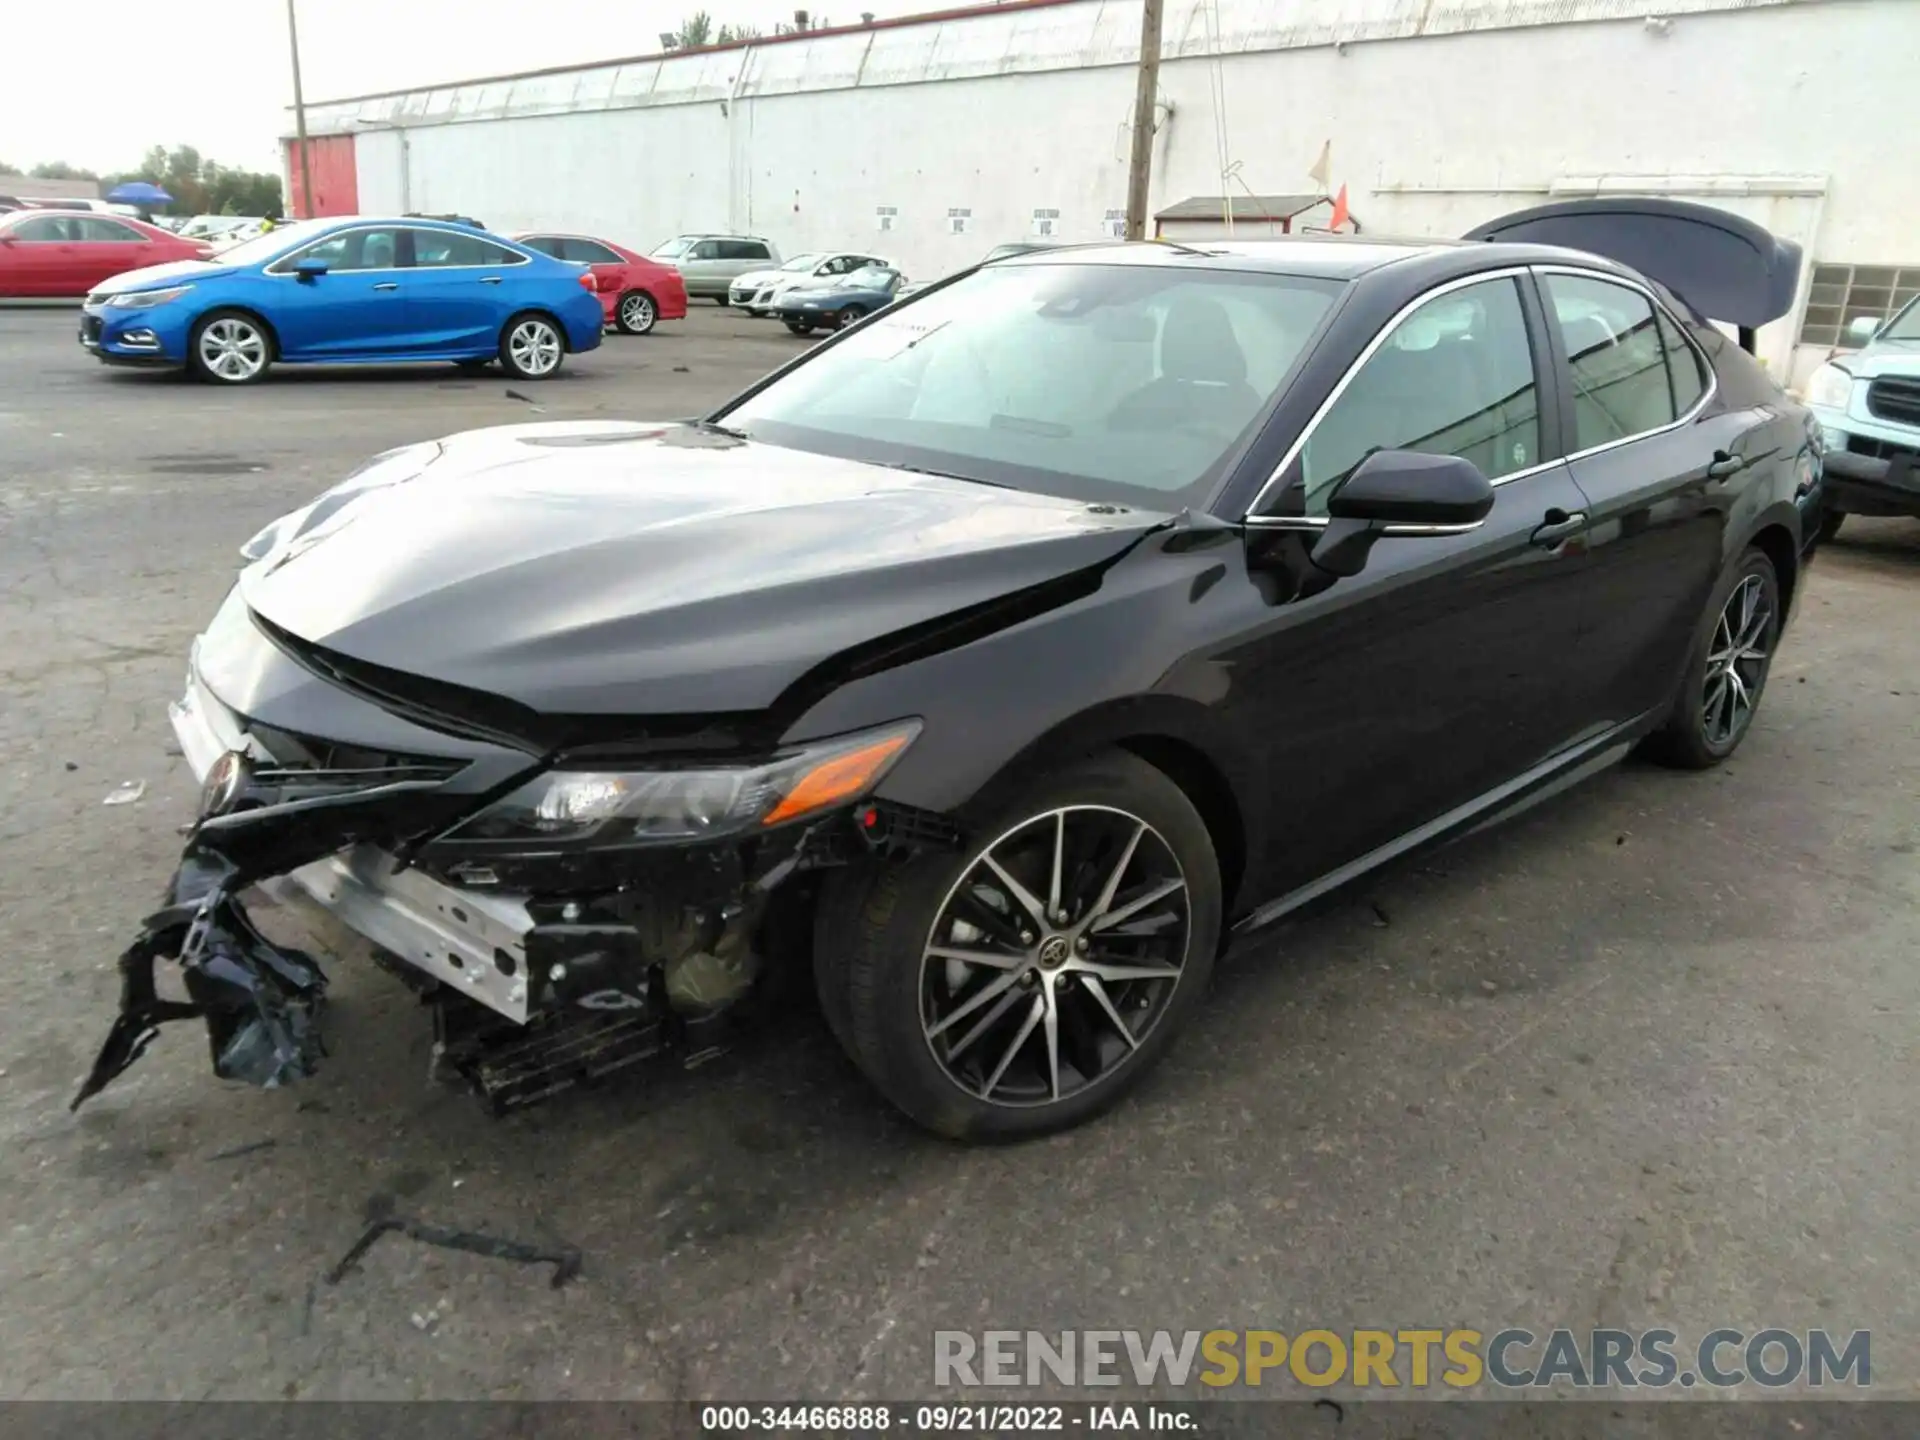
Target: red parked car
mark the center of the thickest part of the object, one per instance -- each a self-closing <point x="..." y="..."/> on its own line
<point x="634" y="291"/>
<point x="68" y="252"/>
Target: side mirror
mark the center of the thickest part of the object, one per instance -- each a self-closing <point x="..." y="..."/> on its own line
<point x="1863" y="329"/>
<point x="1399" y="492"/>
<point x="309" y="268"/>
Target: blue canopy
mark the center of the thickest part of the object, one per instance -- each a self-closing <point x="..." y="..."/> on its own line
<point x="138" y="192"/>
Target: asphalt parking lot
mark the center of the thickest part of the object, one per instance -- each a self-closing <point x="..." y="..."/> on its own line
<point x="1646" y="1056"/>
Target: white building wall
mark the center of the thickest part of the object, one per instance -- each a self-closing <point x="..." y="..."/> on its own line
<point x="1441" y="114"/>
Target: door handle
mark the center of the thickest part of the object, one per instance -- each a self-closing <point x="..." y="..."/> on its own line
<point x="388" y="285"/>
<point x="1724" y="465"/>
<point x="1557" y="526"/>
<point x="489" y="279"/>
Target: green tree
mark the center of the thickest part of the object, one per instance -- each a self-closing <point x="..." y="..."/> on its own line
<point x="696" y="30"/>
<point x="60" y="170"/>
<point x="205" y="187"/>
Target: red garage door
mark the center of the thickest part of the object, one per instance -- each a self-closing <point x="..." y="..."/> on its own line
<point x="336" y="186"/>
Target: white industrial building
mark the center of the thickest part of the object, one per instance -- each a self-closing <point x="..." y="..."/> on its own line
<point x="953" y="132"/>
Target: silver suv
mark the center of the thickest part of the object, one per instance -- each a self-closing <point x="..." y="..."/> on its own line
<point x="709" y="263"/>
<point x="1868" y="403"/>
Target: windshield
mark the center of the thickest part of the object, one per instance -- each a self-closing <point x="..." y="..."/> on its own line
<point x="275" y="242"/>
<point x="1104" y="382"/>
<point x="678" y="246"/>
<point x="871" y="277"/>
<point x="1904" y="326"/>
<point x="805" y="262"/>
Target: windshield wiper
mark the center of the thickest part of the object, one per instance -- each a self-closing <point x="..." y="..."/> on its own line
<point x="714" y="427"/>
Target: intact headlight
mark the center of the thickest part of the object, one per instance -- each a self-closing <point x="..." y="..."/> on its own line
<point x="146" y="299"/>
<point x="1829" y="387"/>
<point x="389" y="467"/>
<point x="622" y="807"/>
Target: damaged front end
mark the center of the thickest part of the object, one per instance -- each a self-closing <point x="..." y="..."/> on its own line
<point x="565" y="915"/>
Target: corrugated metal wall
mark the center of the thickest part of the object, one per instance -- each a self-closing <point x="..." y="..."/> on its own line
<point x="933" y="141"/>
<point x="336" y="179"/>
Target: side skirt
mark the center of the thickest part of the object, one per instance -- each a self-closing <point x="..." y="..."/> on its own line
<point x="1565" y="770"/>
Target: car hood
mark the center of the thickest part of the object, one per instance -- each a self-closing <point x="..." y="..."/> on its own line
<point x="611" y="568"/>
<point x="1884" y="357"/>
<point x="149" y="277"/>
<point x="762" y="277"/>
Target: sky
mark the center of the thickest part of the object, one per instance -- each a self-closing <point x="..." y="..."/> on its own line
<point x="219" y="76"/>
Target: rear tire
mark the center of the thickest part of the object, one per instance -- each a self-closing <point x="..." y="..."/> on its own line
<point x="636" y="313"/>
<point x="532" y="346"/>
<point x="1067" y="1013"/>
<point x="229" y="347"/>
<point x="1726" y="670"/>
<point x="473" y="367"/>
<point x="852" y="315"/>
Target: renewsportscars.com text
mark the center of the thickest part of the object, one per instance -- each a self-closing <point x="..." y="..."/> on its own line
<point x="1416" y="1359"/>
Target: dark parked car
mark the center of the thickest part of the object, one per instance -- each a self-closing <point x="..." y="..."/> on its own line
<point x="857" y="296"/>
<point x="994" y="663"/>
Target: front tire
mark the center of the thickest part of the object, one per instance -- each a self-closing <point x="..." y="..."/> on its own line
<point x="1726" y="670"/>
<point x="532" y="347"/>
<point x="229" y="347"/>
<point x="636" y="313"/>
<point x="800" y="327"/>
<point x="1025" y="983"/>
<point x="1830" y="523"/>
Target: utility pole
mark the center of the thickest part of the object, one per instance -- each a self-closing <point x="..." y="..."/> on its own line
<point x="300" y="117"/>
<point x="1140" y="164"/>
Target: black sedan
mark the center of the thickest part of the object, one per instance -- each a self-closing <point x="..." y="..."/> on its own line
<point x="994" y="664"/>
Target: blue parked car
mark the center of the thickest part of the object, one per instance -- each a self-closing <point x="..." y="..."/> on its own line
<point x="349" y="291"/>
<point x="839" y="305"/>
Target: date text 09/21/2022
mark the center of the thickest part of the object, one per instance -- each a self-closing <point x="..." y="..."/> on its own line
<point x="942" y="1419"/>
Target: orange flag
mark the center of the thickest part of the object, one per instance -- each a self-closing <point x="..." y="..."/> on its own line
<point x="1339" y="210"/>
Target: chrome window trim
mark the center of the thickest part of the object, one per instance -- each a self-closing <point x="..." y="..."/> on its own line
<point x="1400" y="317"/>
<point x="1312" y="522"/>
<point x="1700" y="358"/>
<point x="563" y="235"/>
<point x="520" y="257"/>
<point x="293" y="256"/>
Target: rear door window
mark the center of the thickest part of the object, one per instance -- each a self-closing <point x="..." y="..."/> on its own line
<point x="589" y="252"/>
<point x="1683" y="364"/>
<point x="1617" y="359"/>
<point x="444" y="249"/>
<point x="743" y="250"/>
<point x="112" y="232"/>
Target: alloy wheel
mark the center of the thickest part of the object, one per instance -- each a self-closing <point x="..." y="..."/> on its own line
<point x="233" y="349"/>
<point x="535" y="347"/>
<point x="636" y="312"/>
<point x="1054" y="955"/>
<point x="1737" y="658"/>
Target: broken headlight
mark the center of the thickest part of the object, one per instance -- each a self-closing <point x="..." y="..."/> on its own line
<point x="618" y="807"/>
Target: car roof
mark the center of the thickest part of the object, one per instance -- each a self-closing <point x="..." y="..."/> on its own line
<point x="1333" y="257"/>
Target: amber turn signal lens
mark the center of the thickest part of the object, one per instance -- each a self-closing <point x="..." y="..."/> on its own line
<point x="834" y="781"/>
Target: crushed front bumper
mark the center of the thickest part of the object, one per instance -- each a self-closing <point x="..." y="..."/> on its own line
<point x="474" y="943"/>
